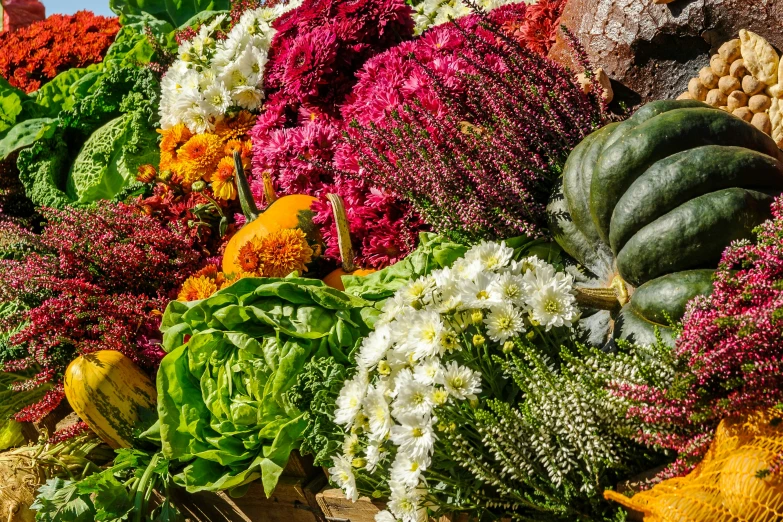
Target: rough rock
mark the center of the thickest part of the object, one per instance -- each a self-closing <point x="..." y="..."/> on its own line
<point x="653" y="50"/>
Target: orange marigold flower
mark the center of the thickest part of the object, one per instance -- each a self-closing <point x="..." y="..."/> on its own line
<point x="232" y="146"/>
<point x="248" y="257"/>
<point x="198" y="157"/>
<point x="174" y="137"/>
<point x="223" y="180"/>
<point x="196" y="288"/>
<point x="285" y="251"/>
<point x="213" y="272"/>
<point x="233" y="278"/>
<point x="236" y="126"/>
<point x="146" y="174"/>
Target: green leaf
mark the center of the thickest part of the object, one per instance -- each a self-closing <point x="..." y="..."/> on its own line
<point x="65" y="89"/>
<point x="25" y="134"/>
<point x="176" y="12"/>
<point x="59" y="500"/>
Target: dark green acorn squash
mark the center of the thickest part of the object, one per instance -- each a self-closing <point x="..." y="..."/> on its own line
<point x="648" y="206"/>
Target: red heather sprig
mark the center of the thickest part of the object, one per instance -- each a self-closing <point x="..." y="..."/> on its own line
<point x="39" y="410"/>
<point x="479" y="159"/>
<point x="68" y="433"/>
<point x="33" y="55"/>
<point x="730" y="351"/>
<point x="95" y="279"/>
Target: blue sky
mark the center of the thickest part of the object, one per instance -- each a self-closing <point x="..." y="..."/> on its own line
<point x="100" y="7"/>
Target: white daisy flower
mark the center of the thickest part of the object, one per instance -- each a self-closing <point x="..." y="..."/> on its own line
<point x="406" y="471"/>
<point x="373" y="454"/>
<point x="464" y="269"/>
<point x="217" y="98"/>
<point x="349" y="401"/>
<point x="460" y="381"/>
<point x="404" y="503"/>
<point x="392" y="307"/>
<point x="427" y="371"/>
<point x="418" y="291"/>
<point x="425" y="335"/>
<point x="504" y="322"/>
<point x="554" y="304"/>
<point x="528" y="264"/>
<point x="491" y="255"/>
<point x="412" y="396"/>
<point x="414" y="436"/>
<point x="376" y="409"/>
<point x="351" y="445"/>
<point x="509" y="288"/>
<point x="477" y="293"/>
<point x="342" y="475"/>
<point x="374" y="347"/>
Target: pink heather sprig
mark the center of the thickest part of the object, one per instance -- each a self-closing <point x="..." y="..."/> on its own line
<point x="42" y="408"/>
<point x="480" y="163"/>
<point x="80" y="428"/>
<point x="730" y="351"/>
<point x="93" y="279"/>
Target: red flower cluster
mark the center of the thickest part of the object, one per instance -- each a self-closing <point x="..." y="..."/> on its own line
<point x="730" y="351"/>
<point x="82" y="289"/>
<point x="31" y="56"/>
<point x="321" y="44"/>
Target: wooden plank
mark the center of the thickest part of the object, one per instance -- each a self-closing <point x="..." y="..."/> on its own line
<point x="337" y="508"/>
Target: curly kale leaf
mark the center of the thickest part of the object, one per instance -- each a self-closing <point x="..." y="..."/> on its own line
<point x="315" y="392"/>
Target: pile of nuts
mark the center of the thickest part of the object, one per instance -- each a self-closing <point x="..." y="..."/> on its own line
<point x="728" y="83"/>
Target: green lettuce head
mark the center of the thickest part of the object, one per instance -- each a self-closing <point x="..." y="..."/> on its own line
<point x="221" y="389"/>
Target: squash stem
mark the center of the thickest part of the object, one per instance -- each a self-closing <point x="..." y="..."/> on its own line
<point x="598" y="298"/>
<point x="343" y="232"/>
<point x="248" y="204"/>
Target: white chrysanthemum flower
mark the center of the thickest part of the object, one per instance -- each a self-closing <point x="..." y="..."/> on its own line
<point x="477" y="293"/>
<point x="384" y="516"/>
<point x="342" y="475"/>
<point x="351" y="446"/>
<point x="392" y="307"/>
<point x="531" y="264"/>
<point x="411" y="396"/>
<point x="373" y="454"/>
<point x="424" y="338"/>
<point x="198" y="119"/>
<point x="491" y="255"/>
<point x="418" y="291"/>
<point x="414" y="436"/>
<point x="554" y="304"/>
<point x="217" y="98"/>
<point x="406" y="471"/>
<point x="463" y="269"/>
<point x="374" y="347"/>
<point x="349" y="401"/>
<point x="504" y="322"/>
<point x="404" y="503"/>
<point x="427" y="371"/>
<point x="460" y="381"/>
<point x="376" y="409"/>
<point x="509" y="288"/>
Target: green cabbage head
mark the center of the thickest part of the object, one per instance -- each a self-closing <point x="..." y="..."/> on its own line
<point x="222" y="402"/>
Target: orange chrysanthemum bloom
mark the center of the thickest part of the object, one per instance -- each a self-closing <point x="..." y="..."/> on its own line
<point x="146" y="173"/>
<point x="174" y="137"/>
<point x="196" y="288"/>
<point x="285" y="251"/>
<point x="233" y="146"/>
<point x="212" y="272"/>
<point x="236" y="126"/>
<point x="198" y="157"/>
<point x="223" y="180"/>
<point x="248" y="258"/>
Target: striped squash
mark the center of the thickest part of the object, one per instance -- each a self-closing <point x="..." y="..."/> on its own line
<point x="106" y="389"/>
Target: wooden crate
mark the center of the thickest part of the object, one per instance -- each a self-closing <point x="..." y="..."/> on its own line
<point x="292" y="501"/>
<point x="337" y="508"/>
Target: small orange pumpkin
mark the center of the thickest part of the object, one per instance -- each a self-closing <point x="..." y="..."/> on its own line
<point x="281" y="213"/>
<point x="335" y="278"/>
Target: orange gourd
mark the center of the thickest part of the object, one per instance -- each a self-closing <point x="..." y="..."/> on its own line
<point x="281" y="213"/>
<point x="335" y="278"/>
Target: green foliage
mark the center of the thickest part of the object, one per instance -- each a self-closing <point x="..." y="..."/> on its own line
<point x="95" y="150"/>
<point x="315" y="393"/>
<point x="432" y="253"/>
<point x="177" y="12"/>
<point x="15" y="106"/>
<point x="121" y="492"/>
<point x="222" y="397"/>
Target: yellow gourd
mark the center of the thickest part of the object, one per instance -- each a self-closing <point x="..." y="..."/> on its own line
<point x="281" y="213"/>
<point x="335" y="278"/>
<point x="106" y="389"/>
